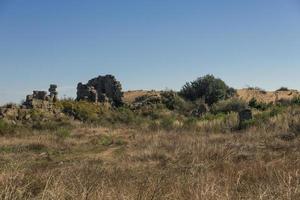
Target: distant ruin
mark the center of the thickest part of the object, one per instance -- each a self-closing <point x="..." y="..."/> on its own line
<point x="37" y="100"/>
<point x="101" y="89"/>
<point x="40" y="99"/>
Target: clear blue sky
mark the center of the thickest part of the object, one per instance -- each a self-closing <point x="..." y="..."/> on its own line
<point x="147" y="44"/>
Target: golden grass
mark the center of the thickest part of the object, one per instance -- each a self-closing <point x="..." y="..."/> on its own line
<point x="140" y="164"/>
<point x="244" y="94"/>
<point x="266" y="97"/>
<point x="130" y="96"/>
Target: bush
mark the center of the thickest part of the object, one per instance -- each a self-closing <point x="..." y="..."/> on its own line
<point x="253" y="103"/>
<point x="125" y="116"/>
<point x="167" y="122"/>
<point x="208" y="88"/>
<point x="262" y="118"/>
<point x="211" y="117"/>
<point x="190" y="123"/>
<point x="63" y="132"/>
<point x="227" y="106"/>
<point x="171" y="100"/>
<point x="296" y="100"/>
<point x="258" y="89"/>
<point x="6" y="128"/>
<point x="106" y="140"/>
<point x="81" y="110"/>
<point x="285" y="89"/>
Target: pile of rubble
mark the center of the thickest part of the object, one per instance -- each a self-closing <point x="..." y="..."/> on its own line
<point x="101" y="89"/>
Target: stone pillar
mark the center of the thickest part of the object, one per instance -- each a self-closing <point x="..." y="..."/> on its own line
<point x="53" y="92"/>
<point x="244" y="115"/>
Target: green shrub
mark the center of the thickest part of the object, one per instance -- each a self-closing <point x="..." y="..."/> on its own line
<point x="276" y="110"/>
<point x="106" y="140"/>
<point x="282" y="89"/>
<point x="172" y="101"/>
<point x="258" y="89"/>
<point x="125" y="116"/>
<point x="167" y="122"/>
<point x="63" y="132"/>
<point x="50" y="125"/>
<point x="81" y="110"/>
<point x="6" y="128"/>
<point x="208" y="88"/>
<point x="253" y="103"/>
<point x="190" y="123"/>
<point x="154" y="125"/>
<point x="247" y="123"/>
<point x="262" y="118"/>
<point x="295" y="100"/>
<point x="211" y="116"/>
<point x="119" y="141"/>
<point x="229" y="105"/>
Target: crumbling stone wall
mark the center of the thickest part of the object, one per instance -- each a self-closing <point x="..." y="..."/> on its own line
<point x="37" y="100"/>
<point x="101" y="89"/>
<point x="40" y="99"/>
<point x="87" y="93"/>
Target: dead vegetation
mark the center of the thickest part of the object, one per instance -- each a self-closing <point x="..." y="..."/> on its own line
<point x="93" y="162"/>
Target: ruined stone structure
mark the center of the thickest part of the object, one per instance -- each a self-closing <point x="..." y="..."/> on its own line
<point x="87" y="93"/>
<point x="53" y="93"/>
<point x="40" y="99"/>
<point x="101" y="89"/>
<point x="244" y="115"/>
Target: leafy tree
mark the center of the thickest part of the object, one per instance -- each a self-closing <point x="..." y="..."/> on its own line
<point x="208" y="88"/>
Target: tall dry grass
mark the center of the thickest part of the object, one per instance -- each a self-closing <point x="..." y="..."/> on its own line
<point x="208" y="159"/>
<point x="261" y="162"/>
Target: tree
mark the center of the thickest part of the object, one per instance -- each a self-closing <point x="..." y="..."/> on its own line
<point x="208" y="88"/>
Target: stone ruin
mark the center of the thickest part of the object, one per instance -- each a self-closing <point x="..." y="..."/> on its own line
<point x="40" y="99"/>
<point x="244" y="116"/>
<point x="53" y="93"/>
<point x="37" y="100"/>
<point x="101" y="90"/>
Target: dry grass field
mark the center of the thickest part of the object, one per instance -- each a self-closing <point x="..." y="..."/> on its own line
<point x="130" y="163"/>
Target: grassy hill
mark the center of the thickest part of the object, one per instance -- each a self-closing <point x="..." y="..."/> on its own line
<point x="244" y="94"/>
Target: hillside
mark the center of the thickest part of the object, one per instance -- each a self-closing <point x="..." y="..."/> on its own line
<point x="244" y="94"/>
<point x="266" y="96"/>
<point x="130" y="96"/>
